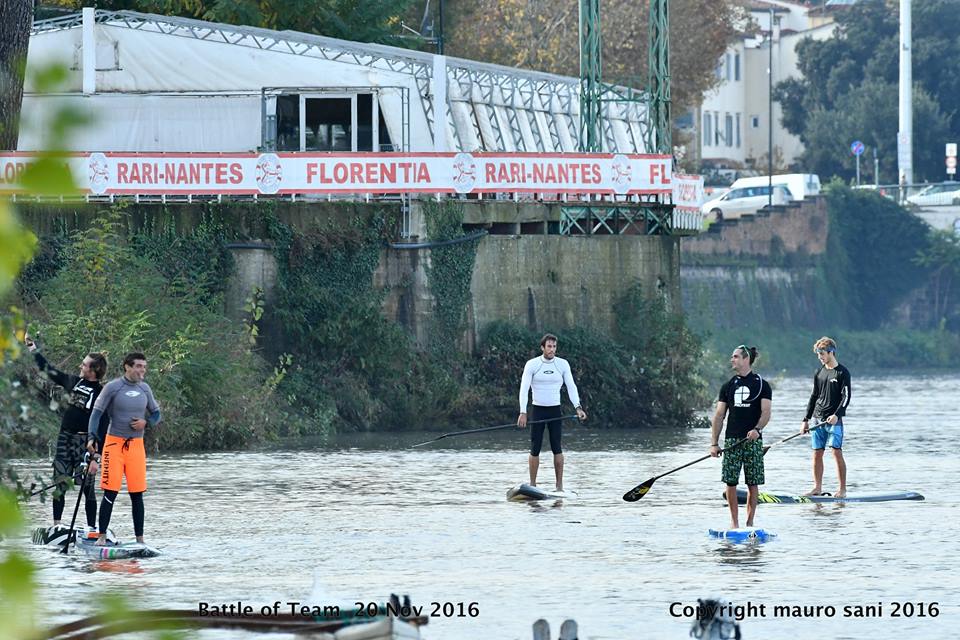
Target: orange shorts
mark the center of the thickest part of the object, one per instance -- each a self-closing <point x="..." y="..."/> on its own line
<point x="123" y="457"/>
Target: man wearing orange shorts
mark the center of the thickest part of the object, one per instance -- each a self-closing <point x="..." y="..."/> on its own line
<point x="129" y="402"/>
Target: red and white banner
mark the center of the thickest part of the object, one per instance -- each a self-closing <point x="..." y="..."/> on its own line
<point x="357" y="173"/>
<point x="688" y="192"/>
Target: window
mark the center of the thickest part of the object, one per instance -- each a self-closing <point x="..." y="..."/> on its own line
<point x="736" y="67"/>
<point x="729" y="66"/>
<point x="716" y="128"/>
<point x="738" y="131"/>
<point x="330" y="122"/>
<point x="728" y="129"/>
<point x="288" y="123"/>
<point x="755" y="122"/>
<point x="719" y="70"/>
<point x="707" y="130"/>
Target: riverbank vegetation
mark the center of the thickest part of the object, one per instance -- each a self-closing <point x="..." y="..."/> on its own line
<point x="321" y="357"/>
<point x="886" y="289"/>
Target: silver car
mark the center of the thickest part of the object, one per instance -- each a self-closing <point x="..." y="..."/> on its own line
<point x="934" y="194"/>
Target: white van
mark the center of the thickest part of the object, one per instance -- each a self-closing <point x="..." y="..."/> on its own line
<point x="801" y="185"/>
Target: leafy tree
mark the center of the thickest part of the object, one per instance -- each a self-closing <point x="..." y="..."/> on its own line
<point x="849" y="84"/>
<point x="544" y="35"/>
<point x="869" y="266"/>
<point x="870" y="114"/>
<point x="943" y="257"/>
<point x="360" y="20"/>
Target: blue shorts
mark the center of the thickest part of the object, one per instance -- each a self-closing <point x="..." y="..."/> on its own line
<point x="828" y="436"/>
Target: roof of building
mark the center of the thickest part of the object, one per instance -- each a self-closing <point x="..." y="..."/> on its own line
<point x="485" y="101"/>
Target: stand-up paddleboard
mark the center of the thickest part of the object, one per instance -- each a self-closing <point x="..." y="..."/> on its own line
<point x="526" y="492"/>
<point x="744" y="534"/>
<point x="116" y="551"/>
<point x="779" y="498"/>
<point x="57" y="536"/>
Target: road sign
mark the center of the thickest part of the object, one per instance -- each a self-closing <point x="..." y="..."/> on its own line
<point x="904" y="152"/>
<point x="951" y="162"/>
<point x="951" y="149"/>
<point x="856" y="148"/>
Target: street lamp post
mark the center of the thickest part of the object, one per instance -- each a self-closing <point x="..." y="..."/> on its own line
<point x="770" y="116"/>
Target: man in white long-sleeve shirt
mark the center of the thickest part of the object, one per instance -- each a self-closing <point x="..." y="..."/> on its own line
<point x="544" y="375"/>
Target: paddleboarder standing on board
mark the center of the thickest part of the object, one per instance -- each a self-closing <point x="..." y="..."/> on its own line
<point x="83" y="391"/>
<point x="129" y="402"/>
<point x="544" y="375"/>
<point x="745" y="402"/>
<point x="828" y="403"/>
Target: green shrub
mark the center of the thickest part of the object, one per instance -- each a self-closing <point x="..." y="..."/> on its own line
<point x="112" y="297"/>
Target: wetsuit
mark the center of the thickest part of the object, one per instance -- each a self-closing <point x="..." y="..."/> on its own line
<point x="830" y="397"/>
<point x="123" y="453"/>
<point x="545" y="378"/>
<point x="72" y="439"/>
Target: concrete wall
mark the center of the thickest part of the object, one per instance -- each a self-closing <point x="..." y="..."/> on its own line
<point x="798" y="228"/>
<point x="757" y="270"/>
<point x="555" y="282"/>
<point x="524" y="272"/>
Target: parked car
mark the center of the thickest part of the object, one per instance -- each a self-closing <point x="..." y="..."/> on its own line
<point x="744" y="201"/>
<point x="934" y="194"/>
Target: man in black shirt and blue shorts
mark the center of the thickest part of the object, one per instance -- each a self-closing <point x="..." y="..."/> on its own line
<point x="828" y="404"/>
<point x="745" y="401"/>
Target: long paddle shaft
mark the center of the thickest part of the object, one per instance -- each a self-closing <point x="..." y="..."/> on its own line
<point x="48" y="487"/>
<point x="499" y="426"/>
<point x="71" y="536"/>
<point x="799" y="433"/>
<point x="641" y="489"/>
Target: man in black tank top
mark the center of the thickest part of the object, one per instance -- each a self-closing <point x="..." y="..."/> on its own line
<point x="828" y="404"/>
<point x="745" y="401"/>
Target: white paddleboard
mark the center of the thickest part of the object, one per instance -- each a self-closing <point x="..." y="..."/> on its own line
<point x="525" y="493"/>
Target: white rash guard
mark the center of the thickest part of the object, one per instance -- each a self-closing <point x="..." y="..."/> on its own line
<point x="546" y="377"/>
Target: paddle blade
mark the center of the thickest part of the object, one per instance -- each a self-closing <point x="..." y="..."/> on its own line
<point x="638" y="491"/>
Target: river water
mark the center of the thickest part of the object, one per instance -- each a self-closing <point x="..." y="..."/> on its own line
<point x="345" y="524"/>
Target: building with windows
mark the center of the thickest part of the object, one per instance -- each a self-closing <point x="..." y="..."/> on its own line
<point x="155" y="83"/>
<point x="732" y="125"/>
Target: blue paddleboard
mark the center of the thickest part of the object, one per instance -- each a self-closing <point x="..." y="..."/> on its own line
<point x="744" y="534"/>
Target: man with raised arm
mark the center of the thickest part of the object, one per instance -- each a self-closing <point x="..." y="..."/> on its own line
<point x="83" y="391"/>
<point x="745" y="401"/>
<point x="544" y="375"/>
<point x="129" y="402"/>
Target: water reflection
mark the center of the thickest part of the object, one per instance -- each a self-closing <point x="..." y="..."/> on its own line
<point x="748" y="553"/>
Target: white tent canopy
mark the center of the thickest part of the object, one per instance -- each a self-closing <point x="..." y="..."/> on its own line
<point x="163" y="83"/>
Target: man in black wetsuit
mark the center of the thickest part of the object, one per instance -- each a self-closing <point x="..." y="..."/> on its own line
<point x="828" y="404"/>
<point x="82" y="392"/>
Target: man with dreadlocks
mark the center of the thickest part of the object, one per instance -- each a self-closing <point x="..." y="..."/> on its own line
<point x="745" y="402"/>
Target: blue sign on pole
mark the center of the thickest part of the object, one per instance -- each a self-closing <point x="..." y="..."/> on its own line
<point x="856" y="148"/>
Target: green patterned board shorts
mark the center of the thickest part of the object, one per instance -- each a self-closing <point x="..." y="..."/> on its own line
<point x="749" y="455"/>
